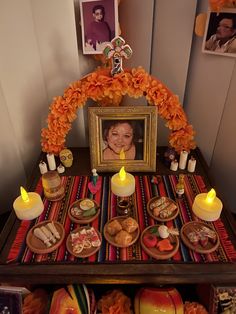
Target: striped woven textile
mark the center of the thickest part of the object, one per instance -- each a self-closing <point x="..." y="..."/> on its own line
<point x="76" y="187"/>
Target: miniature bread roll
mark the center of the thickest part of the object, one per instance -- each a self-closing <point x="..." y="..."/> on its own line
<point x="123" y="238"/>
<point x="129" y="224"/>
<point x="114" y="227"/>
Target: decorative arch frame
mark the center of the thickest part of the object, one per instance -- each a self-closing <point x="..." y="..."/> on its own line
<point x="108" y="90"/>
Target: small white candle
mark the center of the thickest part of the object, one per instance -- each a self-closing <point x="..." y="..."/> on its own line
<point x="122" y="183"/>
<point x="207" y="206"/>
<point x="183" y="159"/>
<point x="51" y="161"/>
<point x="43" y="167"/>
<point x="191" y="164"/>
<point x="60" y="169"/>
<point x="174" y="165"/>
<point x="28" y="206"/>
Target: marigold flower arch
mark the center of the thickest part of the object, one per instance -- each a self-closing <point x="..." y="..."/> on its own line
<point x="108" y="90"/>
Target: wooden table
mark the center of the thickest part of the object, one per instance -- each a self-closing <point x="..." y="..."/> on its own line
<point x="128" y="273"/>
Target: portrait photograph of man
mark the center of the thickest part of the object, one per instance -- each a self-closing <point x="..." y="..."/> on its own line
<point x="220" y="34"/>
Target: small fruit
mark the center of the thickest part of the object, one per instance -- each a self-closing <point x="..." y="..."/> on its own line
<point x="149" y="240"/>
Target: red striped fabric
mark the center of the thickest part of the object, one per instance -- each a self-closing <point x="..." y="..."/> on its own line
<point x="146" y="188"/>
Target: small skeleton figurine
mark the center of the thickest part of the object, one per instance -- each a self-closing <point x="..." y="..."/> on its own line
<point x="117" y="50"/>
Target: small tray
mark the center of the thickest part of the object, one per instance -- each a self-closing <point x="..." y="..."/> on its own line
<point x="193" y="225"/>
<point x="80" y="219"/>
<point x="155" y="252"/>
<point x="86" y="252"/>
<point x="169" y="200"/>
<point x="111" y="239"/>
<point x="37" y="246"/>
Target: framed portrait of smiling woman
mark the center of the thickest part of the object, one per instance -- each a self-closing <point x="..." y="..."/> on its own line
<point x="123" y="136"/>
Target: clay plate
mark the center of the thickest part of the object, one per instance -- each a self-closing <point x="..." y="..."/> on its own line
<point x="37" y="246"/>
<point x="211" y="247"/>
<point x="155" y="252"/>
<point x="80" y="219"/>
<point x="171" y="217"/>
<point x="85" y="252"/>
<point x="111" y="239"/>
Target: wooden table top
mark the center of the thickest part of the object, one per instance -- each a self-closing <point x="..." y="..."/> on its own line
<point x="163" y="272"/>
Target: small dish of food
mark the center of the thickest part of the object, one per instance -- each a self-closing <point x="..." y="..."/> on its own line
<point x="84" y="211"/>
<point x="158" y="244"/>
<point x="162" y="208"/>
<point x="84" y="241"/>
<point x="199" y="237"/>
<point x="121" y="231"/>
<point x="45" y="237"/>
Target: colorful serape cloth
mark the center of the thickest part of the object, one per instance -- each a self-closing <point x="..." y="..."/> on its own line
<point x="76" y="187"/>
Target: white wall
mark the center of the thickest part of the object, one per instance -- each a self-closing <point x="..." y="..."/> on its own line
<point x="39" y="58"/>
<point x="171" y="47"/>
<point x="22" y="96"/>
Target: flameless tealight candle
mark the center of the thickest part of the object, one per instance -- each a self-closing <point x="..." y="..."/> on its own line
<point x="28" y="206"/>
<point x="207" y="206"/>
<point x="122" y="183"/>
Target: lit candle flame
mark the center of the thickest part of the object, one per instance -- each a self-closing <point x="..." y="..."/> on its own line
<point x="122" y="154"/>
<point x="211" y="196"/>
<point x="122" y="174"/>
<point x="24" y="194"/>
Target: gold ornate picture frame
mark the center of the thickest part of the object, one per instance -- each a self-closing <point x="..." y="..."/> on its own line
<point x="123" y="136"/>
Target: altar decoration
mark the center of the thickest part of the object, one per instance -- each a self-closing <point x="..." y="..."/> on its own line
<point x="77" y="188"/>
<point x="115" y="51"/>
<point x="66" y="157"/>
<point x="114" y="301"/>
<point x="108" y="90"/>
<point x="51" y="161"/>
<point x="194" y="308"/>
<point x="158" y="300"/>
<point x="218" y="5"/>
<point x="72" y="299"/>
<point x="215" y="6"/>
<point x="36" y="302"/>
<point x="43" y="167"/>
<point x="123" y="183"/>
<point x="53" y="189"/>
<point x="28" y="206"/>
<point x="207" y="206"/>
<point x="95" y="184"/>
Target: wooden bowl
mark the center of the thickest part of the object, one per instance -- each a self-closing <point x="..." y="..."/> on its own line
<point x="37" y="246"/>
<point x="86" y="252"/>
<point x="80" y="219"/>
<point x="154" y="251"/>
<point x="196" y="225"/>
<point x="169" y="201"/>
<point x="111" y="239"/>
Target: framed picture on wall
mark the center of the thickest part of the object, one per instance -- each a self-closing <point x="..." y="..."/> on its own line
<point x="123" y="136"/>
<point x="99" y="24"/>
<point x="220" y="33"/>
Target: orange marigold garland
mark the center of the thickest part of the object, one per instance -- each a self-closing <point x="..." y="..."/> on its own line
<point x="218" y="5"/>
<point x="108" y="90"/>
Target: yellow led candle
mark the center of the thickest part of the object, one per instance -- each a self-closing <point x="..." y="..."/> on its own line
<point x="207" y="206"/>
<point x="28" y="206"/>
<point x="123" y="183"/>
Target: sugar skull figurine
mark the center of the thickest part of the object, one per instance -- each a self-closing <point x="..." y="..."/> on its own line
<point x="66" y="157"/>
